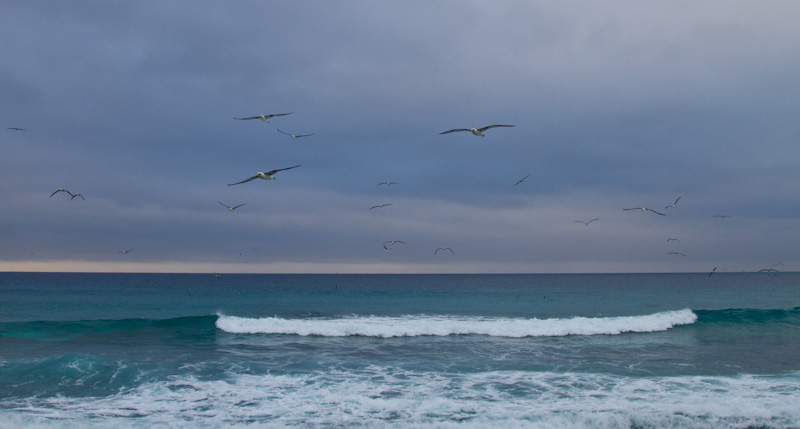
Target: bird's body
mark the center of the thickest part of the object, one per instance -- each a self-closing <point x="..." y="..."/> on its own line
<point x="388" y="183"/>
<point x="645" y="209"/>
<point x="295" y="136"/>
<point x="264" y="176"/>
<point x="231" y="208"/>
<point x="264" y="118"/>
<point x="476" y="131"/>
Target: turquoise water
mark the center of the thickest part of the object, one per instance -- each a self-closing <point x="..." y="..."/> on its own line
<point x="189" y="350"/>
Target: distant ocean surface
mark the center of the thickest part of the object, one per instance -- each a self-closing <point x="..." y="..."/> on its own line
<point x="422" y="351"/>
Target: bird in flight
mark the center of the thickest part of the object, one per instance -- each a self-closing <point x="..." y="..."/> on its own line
<point x="61" y="190"/>
<point x="673" y="239"/>
<point x="126" y="251"/>
<point x="388" y="183"/>
<point x="674" y="204"/>
<point x="295" y="136"/>
<point x="231" y="208"/>
<point x="394" y="242"/>
<point x="17" y="129"/>
<point x="645" y="209"/>
<point x="522" y="180"/>
<point x="675" y="253"/>
<point x="380" y="206"/>
<point x="264" y="118"/>
<point x="476" y="131"/>
<point x="712" y="271"/>
<point x="266" y="176"/>
<point x="443" y="249"/>
<point x="721" y="216"/>
<point x="78" y="195"/>
<point x="587" y="222"/>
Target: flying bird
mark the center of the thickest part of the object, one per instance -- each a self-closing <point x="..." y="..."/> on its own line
<point x="61" y="190"/>
<point x="295" y="136"/>
<point x="645" y="209"/>
<point x="674" y="204"/>
<point x="17" y="129"/>
<point x="476" y="131"/>
<point x="522" y="180"/>
<point x="264" y="118"/>
<point x="675" y="253"/>
<point x="231" y="208"/>
<point x="126" y="251"/>
<point x="587" y="222"/>
<point x="265" y="176"/>
<point x="380" y="206"/>
<point x="712" y="271"/>
<point x="443" y="249"/>
<point x="78" y="195"/>
<point x="388" y="183"/>
<point x="721" y="216"/>
<point x="673" y="239"/>
<point x="394" y="242"/>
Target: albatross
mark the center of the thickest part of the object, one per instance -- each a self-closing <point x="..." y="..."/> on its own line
<point x="295" y="136"/>
<point x="476" y="131"/>
<point x="266" y="176"/>
<point x="264" y="118"/>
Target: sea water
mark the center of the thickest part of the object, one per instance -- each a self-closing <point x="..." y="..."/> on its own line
<point x="550" y="351"/>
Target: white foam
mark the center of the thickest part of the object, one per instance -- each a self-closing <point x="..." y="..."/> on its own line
<point x="411" y="326"/>
<point x="388" y="397"/>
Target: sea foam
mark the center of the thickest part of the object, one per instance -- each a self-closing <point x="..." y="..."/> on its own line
<point x="418" y="325"/>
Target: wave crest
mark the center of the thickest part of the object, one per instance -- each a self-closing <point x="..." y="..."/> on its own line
<point x="412" y="326"/>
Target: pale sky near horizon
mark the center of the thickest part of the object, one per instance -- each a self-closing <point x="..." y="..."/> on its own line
<point x="615" y="105"/>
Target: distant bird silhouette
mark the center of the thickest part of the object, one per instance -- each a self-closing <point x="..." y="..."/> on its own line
<point x="443" y="249"/>
<point x="673" y="239"/>
<point x="721" y="216"/>
<point x="673" y="204"/>
<point x="522" y="180"/>
<point x="646" y="210"/>
<point x="587" y="222"/>
<point x="675" y="253"/>
<point x="295" y="136"/>
<point x="126" y="251"/>
<point x="78" y="195"/>
<point x="380" y="206"/>
<point x="388" y="183"/>
<point x="265" y="176"/>
<point x="475" y="131"/>
<point x="61" y="190"/>
<point x="712" y="272"/>
<point x="17" y="129"/>
<point x="231" y="208"/>
<point x="264" y="118"/>
<point x="394" y="242"/>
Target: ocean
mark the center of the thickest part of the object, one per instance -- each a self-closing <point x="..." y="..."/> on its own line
<point x="421" y="351"/>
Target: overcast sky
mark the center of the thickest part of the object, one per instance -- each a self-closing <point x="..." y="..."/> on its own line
<point x="615" y="105"/>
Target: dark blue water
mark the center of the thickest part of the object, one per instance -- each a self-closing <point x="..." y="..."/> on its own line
<point x="188" y="350"/>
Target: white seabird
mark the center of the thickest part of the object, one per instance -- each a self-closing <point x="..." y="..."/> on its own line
<point x="231" y="208"/>
<point x="646" y="210"/>
<point x="476" y="131"/>
<point x="264" y="118"/>
<point x="674" y="204"/>
<point x="295" y="136"/>
<point x="265" y="176"/>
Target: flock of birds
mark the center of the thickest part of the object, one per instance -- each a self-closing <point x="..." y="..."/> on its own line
<point x="270" y="175"/>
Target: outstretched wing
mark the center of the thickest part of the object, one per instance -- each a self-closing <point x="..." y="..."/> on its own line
<point x="455" y="130"/>
<point x="243" y="181"/>
<point x="245" y="119"/>
<point x="492" y="126"/>
<point x="275" y="171"/>
<point x="236" y="207"/>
